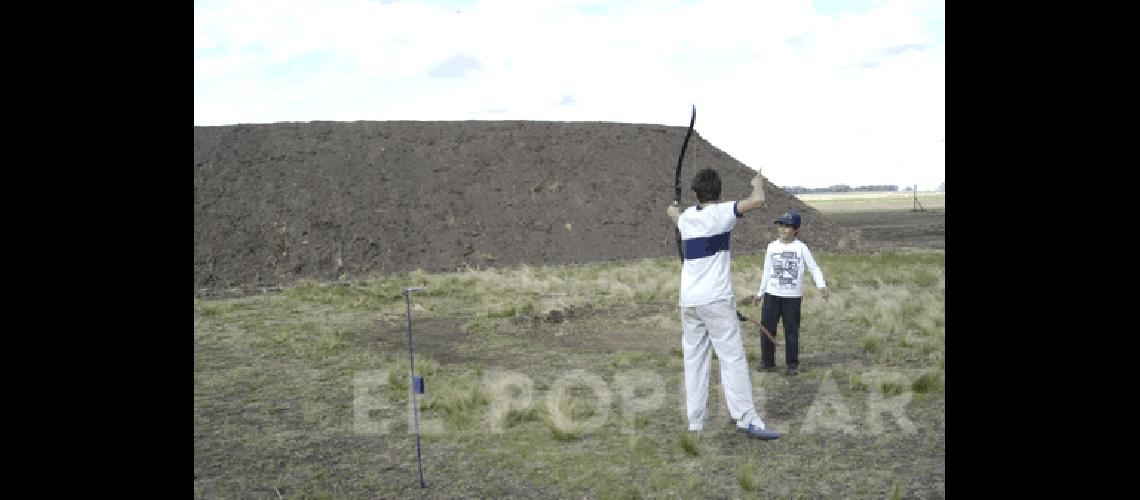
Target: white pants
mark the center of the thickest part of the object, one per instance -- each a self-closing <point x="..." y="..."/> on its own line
<point x="716" y="325"/>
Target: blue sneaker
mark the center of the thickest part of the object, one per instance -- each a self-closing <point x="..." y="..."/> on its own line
<point x="766" y="433"/>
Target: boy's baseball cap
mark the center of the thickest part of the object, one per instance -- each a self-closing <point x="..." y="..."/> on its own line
<point x="789" y="218"/>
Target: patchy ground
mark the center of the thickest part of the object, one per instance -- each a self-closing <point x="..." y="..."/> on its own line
<point x="277" y="398"/>
<point x="279" y="426"/>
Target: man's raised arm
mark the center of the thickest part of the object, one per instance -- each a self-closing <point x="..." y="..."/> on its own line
<point x="756" y="199"/>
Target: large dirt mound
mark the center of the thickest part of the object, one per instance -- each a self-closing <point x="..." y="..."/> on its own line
<point x="333" y="200"/>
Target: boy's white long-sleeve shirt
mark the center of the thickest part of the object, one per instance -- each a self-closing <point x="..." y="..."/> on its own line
<point x="784" y="264"/>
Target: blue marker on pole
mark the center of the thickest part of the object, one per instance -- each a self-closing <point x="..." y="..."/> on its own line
<point x="417" y="382"/>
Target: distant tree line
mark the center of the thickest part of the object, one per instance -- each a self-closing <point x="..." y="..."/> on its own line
<point x="840" y="188"/>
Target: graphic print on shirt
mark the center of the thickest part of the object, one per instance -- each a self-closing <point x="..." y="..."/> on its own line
<point x="786" y="269"/>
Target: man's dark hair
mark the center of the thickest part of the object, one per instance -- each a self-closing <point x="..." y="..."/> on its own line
<point x="707" y="185"/>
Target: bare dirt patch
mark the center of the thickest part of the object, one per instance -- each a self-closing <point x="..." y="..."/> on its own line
<point x="441" y="338"/>
<point x="896" y="229"/>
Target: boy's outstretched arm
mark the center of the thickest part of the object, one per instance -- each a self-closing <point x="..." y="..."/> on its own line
<point x="816" y="274"/>
<point x="756" y="199"/>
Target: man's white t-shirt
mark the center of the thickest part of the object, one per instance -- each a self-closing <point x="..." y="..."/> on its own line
<point x="784" y="265"/>
<point x="706" y="234"/>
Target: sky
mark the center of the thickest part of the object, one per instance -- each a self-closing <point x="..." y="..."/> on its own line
<point x="814" y="93"/>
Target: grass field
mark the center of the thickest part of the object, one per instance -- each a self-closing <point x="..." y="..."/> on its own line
<point x="873" y="201"/>
<point x="561" y="382"/>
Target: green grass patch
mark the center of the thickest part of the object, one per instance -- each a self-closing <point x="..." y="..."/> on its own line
<point x="746" y="478"/>
<point x="891" y="388"/>
<point x="927" y="382"/>
<point x="629" y="359"/>
<point x="873" y="345"/>
<point x="688" y="443"/>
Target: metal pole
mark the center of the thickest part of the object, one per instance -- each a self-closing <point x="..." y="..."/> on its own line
<point x="416" y="387"/>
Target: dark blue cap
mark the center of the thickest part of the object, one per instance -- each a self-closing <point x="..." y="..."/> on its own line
<point x="789" y="218"/>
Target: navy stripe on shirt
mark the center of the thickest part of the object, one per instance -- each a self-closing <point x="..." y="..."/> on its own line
<point x="707" y="246"/>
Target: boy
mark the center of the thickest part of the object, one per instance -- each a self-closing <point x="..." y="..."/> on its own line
<point x="708" y="306"/>
<point x="782" y="290"/>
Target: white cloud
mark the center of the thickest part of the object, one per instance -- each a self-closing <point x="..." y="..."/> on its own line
<point x="812" y="99"/>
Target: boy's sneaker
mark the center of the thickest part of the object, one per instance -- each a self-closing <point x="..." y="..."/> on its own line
<point x="766" y="433"/>
<point x="791" y="371"/>
<point x="763" y="368"/>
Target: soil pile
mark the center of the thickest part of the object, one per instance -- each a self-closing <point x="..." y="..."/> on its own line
<point x="342" y="200"/>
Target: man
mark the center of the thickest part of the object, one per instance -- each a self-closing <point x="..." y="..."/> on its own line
<point x="708" y="306"/>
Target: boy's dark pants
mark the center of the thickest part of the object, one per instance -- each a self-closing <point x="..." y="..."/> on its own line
<point x="775" y="308"/>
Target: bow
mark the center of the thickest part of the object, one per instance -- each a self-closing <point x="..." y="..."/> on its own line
<point x="677" y="180"/>
<point x="677" y="199"/>
<point x="768" y="334"/>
